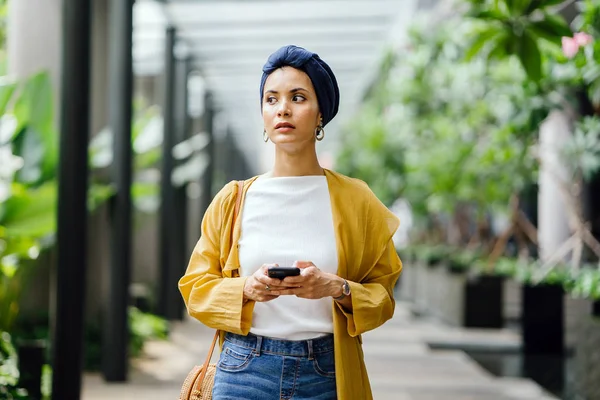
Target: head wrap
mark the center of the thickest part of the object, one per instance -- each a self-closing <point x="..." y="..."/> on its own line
<point x="322" y="77"/>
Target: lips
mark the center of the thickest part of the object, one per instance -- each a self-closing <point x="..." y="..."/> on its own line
<point x="284" y="125"/>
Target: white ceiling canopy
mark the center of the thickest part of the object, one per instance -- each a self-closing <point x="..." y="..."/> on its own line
<point x="230" y="40"/>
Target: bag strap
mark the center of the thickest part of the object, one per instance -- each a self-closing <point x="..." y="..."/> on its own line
<point x="238" y="201"/>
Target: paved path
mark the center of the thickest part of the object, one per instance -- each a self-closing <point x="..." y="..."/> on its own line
<point x="401" y="364"/>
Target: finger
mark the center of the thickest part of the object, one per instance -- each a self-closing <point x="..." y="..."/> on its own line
<point x="264" y="269"/>
<point x="303" y="264"/>
<point x="272" y="289"/>
<point x="284" y="287"/>
<point x="295" y="280"/>
<point x="273" y="282"/>
<point x="305" y="277"/>
<point x="287" y="292"/>
<point x="261" y="287"/>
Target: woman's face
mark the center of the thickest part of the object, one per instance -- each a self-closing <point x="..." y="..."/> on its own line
<point x="290" y="108"/>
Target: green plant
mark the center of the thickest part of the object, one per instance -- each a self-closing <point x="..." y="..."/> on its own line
<point x="581" y="154"/>
<point x="585" y="284"/>
<point x="369" y="153"/>
<point x="516" y="28"/>
<point x="142" y="327"/>
<point x="462" y="260"/>
<point x="431" y="254"/>
<point x="529" y="272"/>
<point x="27" y="185"/>
<point x="145" y="326"/>
<point x="9" y="370"/>
<point x="146" y="137"/>
<point x="504" y="266"/>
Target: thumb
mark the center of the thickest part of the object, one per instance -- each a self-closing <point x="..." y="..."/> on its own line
<point x="303" y="264"/>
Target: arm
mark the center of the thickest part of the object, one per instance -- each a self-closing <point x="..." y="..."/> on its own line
<point x="213" y="300"/>
<point x="372" y="301"/>
<point x="374" y="269"/>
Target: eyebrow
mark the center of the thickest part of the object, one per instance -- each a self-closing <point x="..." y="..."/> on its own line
<point x="298" y="89"/>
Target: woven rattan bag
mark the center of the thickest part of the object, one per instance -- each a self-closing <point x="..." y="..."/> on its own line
<point x="198" y="384"/>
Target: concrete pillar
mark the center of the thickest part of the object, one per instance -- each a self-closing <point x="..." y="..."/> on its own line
<point x="34" y="39"/>
<point x="33" y="44"/>
<point x="553" y="227"/>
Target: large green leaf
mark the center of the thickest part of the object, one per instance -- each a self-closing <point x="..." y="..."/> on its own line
<point x="34" y="111"/>
<point x="488" y="15"/>
<point x="20" y="246"/>
<point x="34" y="103"/>
<point x="499" y="50"/>
<point x="7" y="89"/>
<point x="551" y="28"/>
<point x="517" y="7"/>
<point x="484" y="38"/>
<point x="28" y="145"/>
<point x="98" y="194"/>
<point x="31" y="212"/>
<point x="594" y="92"/>
<point x="530" y="57"/>
<point x="535" y="5"/>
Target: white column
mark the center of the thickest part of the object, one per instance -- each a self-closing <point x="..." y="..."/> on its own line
<point x="34" y="39"/>
<point x="33" y="44"/>
<point x="553" y="227"/>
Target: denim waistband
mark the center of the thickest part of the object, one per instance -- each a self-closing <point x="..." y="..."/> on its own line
<point x="294" y="348"/>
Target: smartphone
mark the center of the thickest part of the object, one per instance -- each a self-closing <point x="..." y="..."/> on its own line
<point x="282" y="272"/>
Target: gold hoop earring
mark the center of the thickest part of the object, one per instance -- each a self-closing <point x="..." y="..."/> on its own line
<point x="265" y="136"/>
<point x="320" y="132"/>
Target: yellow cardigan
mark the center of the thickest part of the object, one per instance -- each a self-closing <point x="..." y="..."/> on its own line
<point x="367" y="260"/>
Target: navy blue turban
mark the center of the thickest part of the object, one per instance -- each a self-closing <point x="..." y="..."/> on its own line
<point x="322" y="77"/>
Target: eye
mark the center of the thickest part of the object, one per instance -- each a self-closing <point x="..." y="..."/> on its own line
<point x="298" y="97"/>
<point x="270" y="100"/>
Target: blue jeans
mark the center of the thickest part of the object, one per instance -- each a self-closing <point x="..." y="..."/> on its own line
<point x="260" y="368"/>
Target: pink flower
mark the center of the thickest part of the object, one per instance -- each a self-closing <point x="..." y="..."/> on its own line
<point x="583" y="39"/>
<point x="570" y="47"/>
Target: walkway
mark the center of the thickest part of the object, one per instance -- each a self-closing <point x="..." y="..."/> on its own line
<point x="400" y="362"/>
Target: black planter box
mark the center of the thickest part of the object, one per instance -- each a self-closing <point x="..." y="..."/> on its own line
<point x="472" y="302"/>
<point x="542" y="319"/>
<point x="32" y="355"/>
<point x="586" y="360"/>
<point x="484" y="302"/>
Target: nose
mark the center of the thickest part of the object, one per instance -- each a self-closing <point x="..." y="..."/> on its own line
<point x="284" y="109"/>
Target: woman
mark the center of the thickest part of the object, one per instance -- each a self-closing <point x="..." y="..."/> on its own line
<point x="297" y="337"/>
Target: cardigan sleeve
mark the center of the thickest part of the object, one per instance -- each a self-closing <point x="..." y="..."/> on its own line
<point x="212" y="299"/>
<point x="373" y="291"/>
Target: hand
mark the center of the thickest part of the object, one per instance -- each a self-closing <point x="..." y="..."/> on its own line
<point x="259" y="287"/>
<point x="312" y="283"/>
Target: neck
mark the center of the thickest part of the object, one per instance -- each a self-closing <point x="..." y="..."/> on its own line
<point x="298" y="164"/>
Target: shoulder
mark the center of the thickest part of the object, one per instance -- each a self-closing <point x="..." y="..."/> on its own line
<point x="357" y="195"/>
<point x="226" y="197"/>
<point x="226" y="193"/>
<point x="347" y="186"/>
<point x="347" y="183"/>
